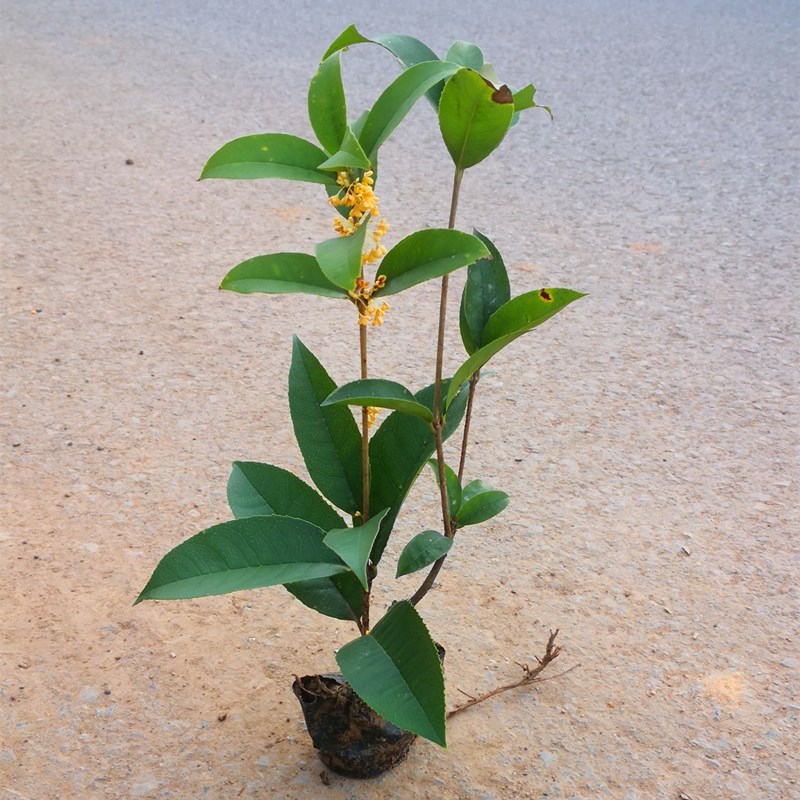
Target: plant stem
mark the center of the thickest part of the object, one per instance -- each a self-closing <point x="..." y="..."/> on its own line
<point x="473" y="382"/>
<point x="365" y="595"/>
<point x="449" y="530"/>
<point x="362" y="336"/>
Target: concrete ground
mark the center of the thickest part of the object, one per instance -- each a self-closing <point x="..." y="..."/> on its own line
<point x="648" y="435"/>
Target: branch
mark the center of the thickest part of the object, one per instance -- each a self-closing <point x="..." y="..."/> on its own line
<point x="529" y="675"/>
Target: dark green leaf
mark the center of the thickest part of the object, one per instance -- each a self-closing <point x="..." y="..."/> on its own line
<point x="349" y="156"/>
<point x="328" y="437"/>
<point x="379" y="393"/>
<point x="428" y="254"/>
<point x="396" y="671"/>
<point x="422" y="550"/>
<point x="327" y="110"/>
<point x="353" y="545"/>
<point x="281" y="273"/>
<point x="256" y="489"/>
<point x="338" y="596"/>
<point x="517" y="316"/>
<point x="242" y="554"/>
<point x="268" y="155"/>
<point x="465" y="54"/>
<point x="486" y="289"/>
<point x="398" y="451"/>
<point x="474" y="117"/>
<point x="452" y="484"/>
<point x="482" y="506"/>
<point x="340" y="258"/>
<point x="472" y="489"/>
<point x="396" y="101"/>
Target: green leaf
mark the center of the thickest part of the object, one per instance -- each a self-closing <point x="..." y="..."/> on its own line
<point x="427" y="254"/>
<point x="379" y="393"/>
<point x="472" y="489"/>
<point x="281" y="273"/>
<point x="398" y="451"/>
<point x="242" y="554"/>
<point x="474" y="117"/>
<point x="256" y="489"/>
<point x="347" y="37"/>
<point x="340" y="258"/>
<point x="479" y="504"/>
<point x="327" y="110"/>
<point x="396" y="671"/>
<point x="465" y="54"/>
<point x="406" y="49"/>
<point x="524" y="98"/>
<point x="349" y="156"/>
<point x="517" y="316"/>
<point x="452" y="484"/>
<point x="259" y="489"/>
<point x="486" y="289"/>
<point x="328" y="437"/>
<point x="398" y="98"/>
<point x="268" y="155"/>
<point x="353" y="545"/>
<point x="422" y="550"/>
<point x="338" y="596"/>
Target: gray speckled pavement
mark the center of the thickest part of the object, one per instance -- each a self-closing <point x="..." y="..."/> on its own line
<point x="648" y="435"/>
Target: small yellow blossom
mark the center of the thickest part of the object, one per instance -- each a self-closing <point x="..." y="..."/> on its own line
<point x="372" y="415"/>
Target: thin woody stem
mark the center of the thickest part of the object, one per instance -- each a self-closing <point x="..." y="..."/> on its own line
<point x="473" y="382"/>
<point x="362" y="336"/>
<point x="449" y="530"/>
<point x="529" y="675"/>
<point x="363" y="623"/>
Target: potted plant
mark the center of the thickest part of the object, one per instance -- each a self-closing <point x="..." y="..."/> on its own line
<point x="325" y="544"/>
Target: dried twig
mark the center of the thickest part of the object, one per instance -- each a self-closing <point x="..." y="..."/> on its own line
<point x="529" y="675"/>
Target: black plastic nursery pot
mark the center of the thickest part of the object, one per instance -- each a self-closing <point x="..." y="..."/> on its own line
<point x="351" y="738"/>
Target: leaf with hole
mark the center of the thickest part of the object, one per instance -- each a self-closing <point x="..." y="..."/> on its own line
<point x="474" y="116"/>
<point x="519" y="315"/>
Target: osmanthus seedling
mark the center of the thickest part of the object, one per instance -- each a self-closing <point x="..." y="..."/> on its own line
<point x="325" y="544"/>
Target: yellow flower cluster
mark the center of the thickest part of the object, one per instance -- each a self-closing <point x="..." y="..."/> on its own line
<point x="372" y="415"/>
<point x="362" y="297"/>
<point x="359" y="197"/>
